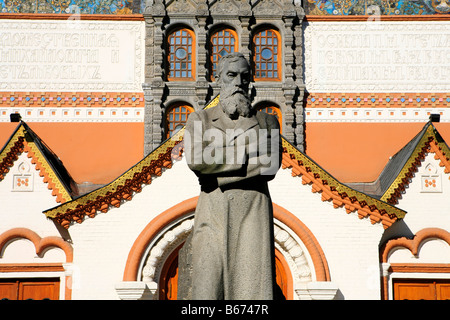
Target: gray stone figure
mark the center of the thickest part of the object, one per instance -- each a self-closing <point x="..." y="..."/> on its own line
<point x="234" y="150"/>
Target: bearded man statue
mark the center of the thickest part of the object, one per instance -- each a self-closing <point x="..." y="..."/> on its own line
<point x="234" y="150"/>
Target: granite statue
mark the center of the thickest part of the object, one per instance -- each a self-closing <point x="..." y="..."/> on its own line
<point x="234" y="150"/>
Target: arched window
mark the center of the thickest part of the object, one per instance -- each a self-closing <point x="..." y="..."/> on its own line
<point x="181" y="55"/>
<point x="222" y="42"/>
<point x="176" y="118"/>
<point x="267" y="55"/>
<point x="273" y="110"/>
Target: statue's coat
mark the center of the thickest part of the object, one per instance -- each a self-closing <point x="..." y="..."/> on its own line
<point x="230" y="253"/>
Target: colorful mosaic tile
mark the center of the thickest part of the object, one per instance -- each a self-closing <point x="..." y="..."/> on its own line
<point x="376" y="7"/>
<point x="377" y="100"/>
<point x="71" y="99"/>
<point x="72" y="6"/>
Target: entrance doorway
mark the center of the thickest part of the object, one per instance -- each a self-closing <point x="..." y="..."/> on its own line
<point x="29" y="289"/>
<point x="421" y="289"/>
<point x="169" y="276"/>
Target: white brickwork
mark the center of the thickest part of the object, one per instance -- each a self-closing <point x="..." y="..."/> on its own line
<point x="427" y="208"/>
<point x="349" y="244"/>
<point x="102" y="244"/>
<point x="23" y="208"/>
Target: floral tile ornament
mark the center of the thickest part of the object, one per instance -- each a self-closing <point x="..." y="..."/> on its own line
<point x="72" y="6"/>
<point x="376" y="7"/>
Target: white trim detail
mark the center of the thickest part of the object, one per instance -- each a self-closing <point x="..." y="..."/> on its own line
<point x="374" y="114"/>
<point x="74" y="114"/>
<point x="318" y="290"/>
<point x="134" y="290"/>
<point x="175" y="233"/>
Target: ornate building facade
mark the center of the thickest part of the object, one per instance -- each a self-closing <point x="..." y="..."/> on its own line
<point x="268" y="33"/>
<point x="96" y="200"/>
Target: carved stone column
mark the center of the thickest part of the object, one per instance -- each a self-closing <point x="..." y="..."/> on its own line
<point x="299" y="81"/>
<point x="298" y="45"/>
<point x="201" y="16"/>
<point x="158" y="51"/>
<point x="154" y="75"/>
<point x="149" y="47"/>
<point x="148" y="115"/>
<point x="157" y="89"/>
<point x="289" y="87"/>
<point x="201" y="86"/>
<point x="299" y="117"/>
<point x="245" y="13"/>
<point x="289" y="91"/>
<point x="153" y="115"/>
<point x="288" y="52"/>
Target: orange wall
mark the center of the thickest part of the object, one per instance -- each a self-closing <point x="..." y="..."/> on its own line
<point x="6" y="130"/>
<point x="91" y="152"/>
<point x="358" y="152"/>
<point x="100" y="152"/>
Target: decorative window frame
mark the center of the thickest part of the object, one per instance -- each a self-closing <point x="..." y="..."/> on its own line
<point x="66" y="272"/>
<point x="168" y="112"/>
<point x="212" y="54"/>
<point x="279" y="54"/>
<point x="193" y="53"/>
<point x="391" y="271"/>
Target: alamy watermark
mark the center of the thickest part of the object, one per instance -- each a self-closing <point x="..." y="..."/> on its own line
<point x="233" y="147"/>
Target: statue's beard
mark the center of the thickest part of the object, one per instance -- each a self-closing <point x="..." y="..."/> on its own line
<point x="235" y="102"/>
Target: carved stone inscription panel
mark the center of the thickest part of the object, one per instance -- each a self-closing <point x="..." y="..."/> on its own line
<point x="377" y="56"/>
<point x="71" y="55"/>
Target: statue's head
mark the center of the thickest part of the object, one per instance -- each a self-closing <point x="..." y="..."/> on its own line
<point x="233" y="76"/>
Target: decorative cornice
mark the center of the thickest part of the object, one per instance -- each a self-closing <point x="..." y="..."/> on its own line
<point x="419" y="267"/>
<point x="50" y="177"/>
<point x="374" y="115"/>
<point x="429" y="143"/>
<point x="338" y="193"/>
<point x="372" y="18"/>
<point x="62" y="16"/>
<point x="376" y="100"/>
<point x="18" y="144"/>
<point x="123" y="188"/>
<point x="11" y="151"/>
<point x="72" y="99"/>
<point x="40" y="244"/>
<point x="32" y="267"/>
<point x="73" y="106"/>
<point x="413" y="244"/>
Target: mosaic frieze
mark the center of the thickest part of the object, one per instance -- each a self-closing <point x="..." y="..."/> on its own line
<point x="378" y="107"/>
<point x="377" y="100"/>
<point x="71" y="6"/>
<point x="312" y="7"/>
<point x="71" y="99"/>
<point x="376" y="7"/>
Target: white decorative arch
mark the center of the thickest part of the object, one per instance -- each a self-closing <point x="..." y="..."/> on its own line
<point x="174" y="234"/>
<point x="160" y="249"/>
